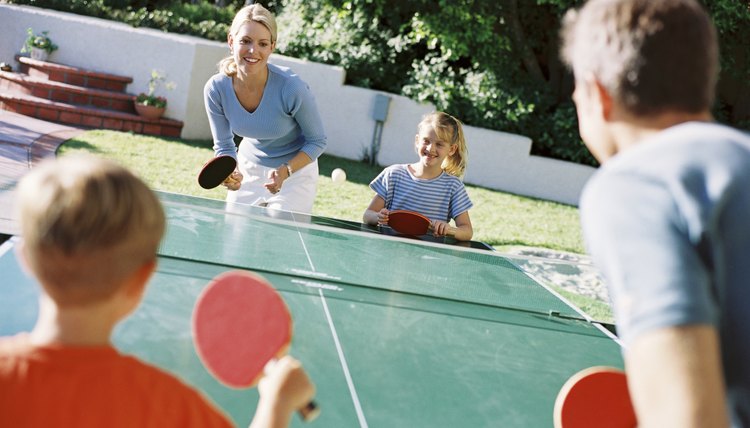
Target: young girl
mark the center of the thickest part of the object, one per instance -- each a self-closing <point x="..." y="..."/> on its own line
<point x="431" y="186"/>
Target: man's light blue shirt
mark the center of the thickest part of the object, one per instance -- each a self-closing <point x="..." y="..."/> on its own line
<point x="668" y="224"/>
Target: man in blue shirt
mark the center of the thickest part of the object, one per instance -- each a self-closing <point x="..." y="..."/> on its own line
<point x="667" y="216"/>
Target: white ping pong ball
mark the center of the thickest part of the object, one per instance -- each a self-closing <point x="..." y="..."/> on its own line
<point x="338" y="175"/>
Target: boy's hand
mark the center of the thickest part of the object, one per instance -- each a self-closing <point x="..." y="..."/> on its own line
<point x="285" y="386"/>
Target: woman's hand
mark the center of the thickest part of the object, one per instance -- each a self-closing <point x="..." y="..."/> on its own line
<point x="277" y="177"/>
<point x="234" y="180"/>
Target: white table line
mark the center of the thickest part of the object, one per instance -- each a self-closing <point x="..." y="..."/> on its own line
<point x="339" y="349"/>
<point x="344" y="365"/>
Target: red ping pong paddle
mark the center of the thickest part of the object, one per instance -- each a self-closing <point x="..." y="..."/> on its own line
<point x="215" y="171"/>
<point x="240" y="323"/>
<point x="595" y="397"/>
<point x="412" y="223"/>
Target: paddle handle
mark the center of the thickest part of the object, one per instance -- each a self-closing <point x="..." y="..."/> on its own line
<point x="309" y="412"/>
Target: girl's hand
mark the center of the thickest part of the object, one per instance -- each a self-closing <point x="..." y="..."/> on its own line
<point x="383" y="216"/>
<point x="439" y="228"/>
<point x="234" y="180"/>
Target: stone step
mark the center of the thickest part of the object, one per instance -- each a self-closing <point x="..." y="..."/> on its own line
<point x="66" y="93"/>
<point x="73" y="75"/>
<point x="88" y="117"/>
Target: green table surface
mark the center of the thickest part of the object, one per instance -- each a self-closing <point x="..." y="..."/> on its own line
<point x="395" y="332"/>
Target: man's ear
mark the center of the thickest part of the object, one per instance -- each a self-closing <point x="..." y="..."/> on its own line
<point x="605" y="100"/>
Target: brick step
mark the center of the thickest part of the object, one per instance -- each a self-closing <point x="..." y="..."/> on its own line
<point x="88" y="117"/>
<point x="73" y="75"/>
<point x="66" y="93"/>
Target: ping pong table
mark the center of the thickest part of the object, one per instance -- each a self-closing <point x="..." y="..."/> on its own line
<point x="395" y="332"/>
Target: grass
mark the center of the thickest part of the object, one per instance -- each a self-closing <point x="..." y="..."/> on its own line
<point x="500" y="219"/>
<point x="592" y="307"/>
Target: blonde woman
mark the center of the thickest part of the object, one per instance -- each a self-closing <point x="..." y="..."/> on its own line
<point x="431" y="186"/>
<point x="273" y="111"/>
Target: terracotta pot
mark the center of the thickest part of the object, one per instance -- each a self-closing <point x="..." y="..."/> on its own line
<point x="149" y="112"/>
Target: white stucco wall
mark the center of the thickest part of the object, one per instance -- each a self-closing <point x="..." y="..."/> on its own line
<point x="497" y="160"/>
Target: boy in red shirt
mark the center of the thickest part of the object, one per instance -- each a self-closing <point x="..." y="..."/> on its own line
<point x="90" y="232"/>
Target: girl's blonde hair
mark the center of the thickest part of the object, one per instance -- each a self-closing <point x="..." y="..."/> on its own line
<point x="253" y="13"/>
<point x="449" y="129"/>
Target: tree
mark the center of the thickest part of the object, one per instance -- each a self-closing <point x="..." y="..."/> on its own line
<point x="492" y="63"/>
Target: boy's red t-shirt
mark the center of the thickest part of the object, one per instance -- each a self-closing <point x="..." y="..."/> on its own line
<point x="63" y="386"/>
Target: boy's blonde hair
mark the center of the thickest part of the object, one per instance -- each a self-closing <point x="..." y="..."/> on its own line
<point x="449" y="129"/>
<point x="87" y="224"/>
<point x="254" y="12"/>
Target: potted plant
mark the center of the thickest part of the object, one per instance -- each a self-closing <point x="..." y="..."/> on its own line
<point x="39" y="46"/>
<point x="148" y="104"/>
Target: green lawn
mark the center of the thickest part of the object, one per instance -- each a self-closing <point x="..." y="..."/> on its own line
<point x="500" y="219"/>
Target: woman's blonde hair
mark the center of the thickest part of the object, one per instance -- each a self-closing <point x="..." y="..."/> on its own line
<point x="449" y="129"/>
<point x="87" y="224"/>
<point x="253" y="13"/>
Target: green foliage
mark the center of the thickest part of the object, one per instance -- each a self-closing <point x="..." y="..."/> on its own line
<point x="150" y="98"/>
<point x="97" y="8"/>
<point x="495" y="64"/>
<point x="202" y="19"/>
<point x="494" y="76"/>
<point x="354" y="34"/>
<point x="560" y="124"/>
<point x="161" y="19"/>
<point x="38" y="41"/>
<point x="732" y="19"/>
